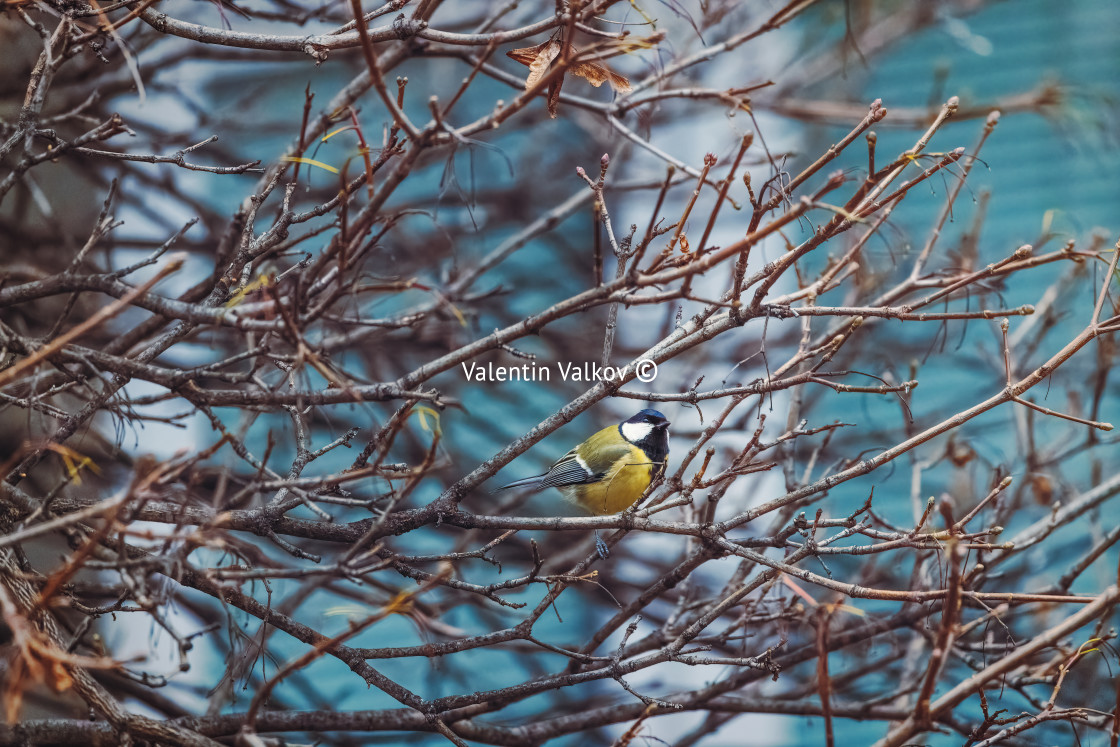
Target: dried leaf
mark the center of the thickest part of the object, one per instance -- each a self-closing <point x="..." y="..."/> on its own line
<point x="1042" y="487"/>
<point x="427" y="412"/>
<point x="597" y="74"/>
<point x="310" y="162"/>
<point x="540" y="59"/>
<point x="630" y="44"/>
<point x="554" y="96"/>
<point x="525" y="55"/>
<point x="539" y="66"/>
<point x="262" y="281"/>
<point x="74" y="462"/>
<point x="37" y="660"/>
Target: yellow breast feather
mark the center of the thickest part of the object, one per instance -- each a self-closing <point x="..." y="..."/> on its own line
<point x="619" y="489"/>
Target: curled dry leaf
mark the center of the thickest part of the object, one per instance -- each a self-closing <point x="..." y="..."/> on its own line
<point x="596" y="74"/>
<point x="37" y="660"/>
<point x="540" y="59"/>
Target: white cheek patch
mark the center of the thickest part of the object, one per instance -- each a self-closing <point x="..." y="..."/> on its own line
<point x="635" y="432"/>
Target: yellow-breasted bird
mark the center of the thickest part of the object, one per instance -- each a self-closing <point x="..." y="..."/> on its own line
<point x="611" y="470"/>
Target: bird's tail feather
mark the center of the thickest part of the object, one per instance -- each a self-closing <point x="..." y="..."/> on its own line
<point x="521" y="483"/>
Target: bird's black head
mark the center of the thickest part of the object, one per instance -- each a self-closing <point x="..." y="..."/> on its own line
<point x="649" y="431"/>
<point x="650" y="416"/>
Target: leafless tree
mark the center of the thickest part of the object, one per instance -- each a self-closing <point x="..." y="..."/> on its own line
<point x="249" y="406"/>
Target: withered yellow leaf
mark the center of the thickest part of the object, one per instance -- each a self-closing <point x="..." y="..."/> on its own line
<point x="541" y="57"/>
<point x="545" y="55"/>
<point x="596" y="75"/>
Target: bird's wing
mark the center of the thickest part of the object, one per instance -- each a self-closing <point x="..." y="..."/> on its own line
<point x="570" y="469"/>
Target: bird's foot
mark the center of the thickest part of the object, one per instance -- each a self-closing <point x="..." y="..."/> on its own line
<point x="601" y="547"/>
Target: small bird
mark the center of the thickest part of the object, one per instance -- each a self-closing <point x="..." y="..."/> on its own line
<point x="610" y="471"/>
